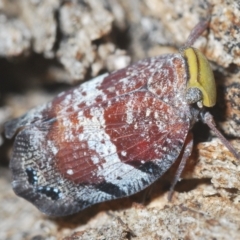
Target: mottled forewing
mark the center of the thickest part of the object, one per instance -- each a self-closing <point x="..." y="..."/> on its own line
<point x="107" y="139"/>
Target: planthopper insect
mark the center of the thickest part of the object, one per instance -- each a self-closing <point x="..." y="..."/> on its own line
<point x="115" y="135"/>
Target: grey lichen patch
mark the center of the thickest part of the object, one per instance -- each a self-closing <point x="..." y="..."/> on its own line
<point x="34" y="14"/>
<point x="14" y="37"/>
<point x="90" y="16"/>
<point x="224" y="34"/>
<point x="80" y="25"/>
<point x="231" y="125"/>
<point x="25" y="29"/>
<point x="66" y="32"/>
<point x="216" y="163"/>
<point x="184" y="221"/>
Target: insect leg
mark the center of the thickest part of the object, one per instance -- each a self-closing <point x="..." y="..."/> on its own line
<point x="186" y="152"/>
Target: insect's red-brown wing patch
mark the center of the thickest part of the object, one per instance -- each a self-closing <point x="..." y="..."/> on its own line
<point x="110" y="150"/>
<point x="107" y="138"/>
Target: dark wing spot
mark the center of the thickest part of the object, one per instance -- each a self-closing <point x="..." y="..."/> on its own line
<point x="111" y="189"/>
<point x="150" y="168"/>
<point x="50" y="192"/>
<point x="32" y="176"/>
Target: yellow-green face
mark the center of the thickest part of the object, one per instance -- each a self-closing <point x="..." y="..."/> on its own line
<point x="200" y="75"/>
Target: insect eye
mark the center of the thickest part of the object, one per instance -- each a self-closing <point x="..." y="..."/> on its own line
<point x="200" y="78"/>
<point x="193" y="95"/>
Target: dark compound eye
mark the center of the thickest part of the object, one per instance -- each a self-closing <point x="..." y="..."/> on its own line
<point x="32" y="176"/>
<point x="50" y="192"/>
